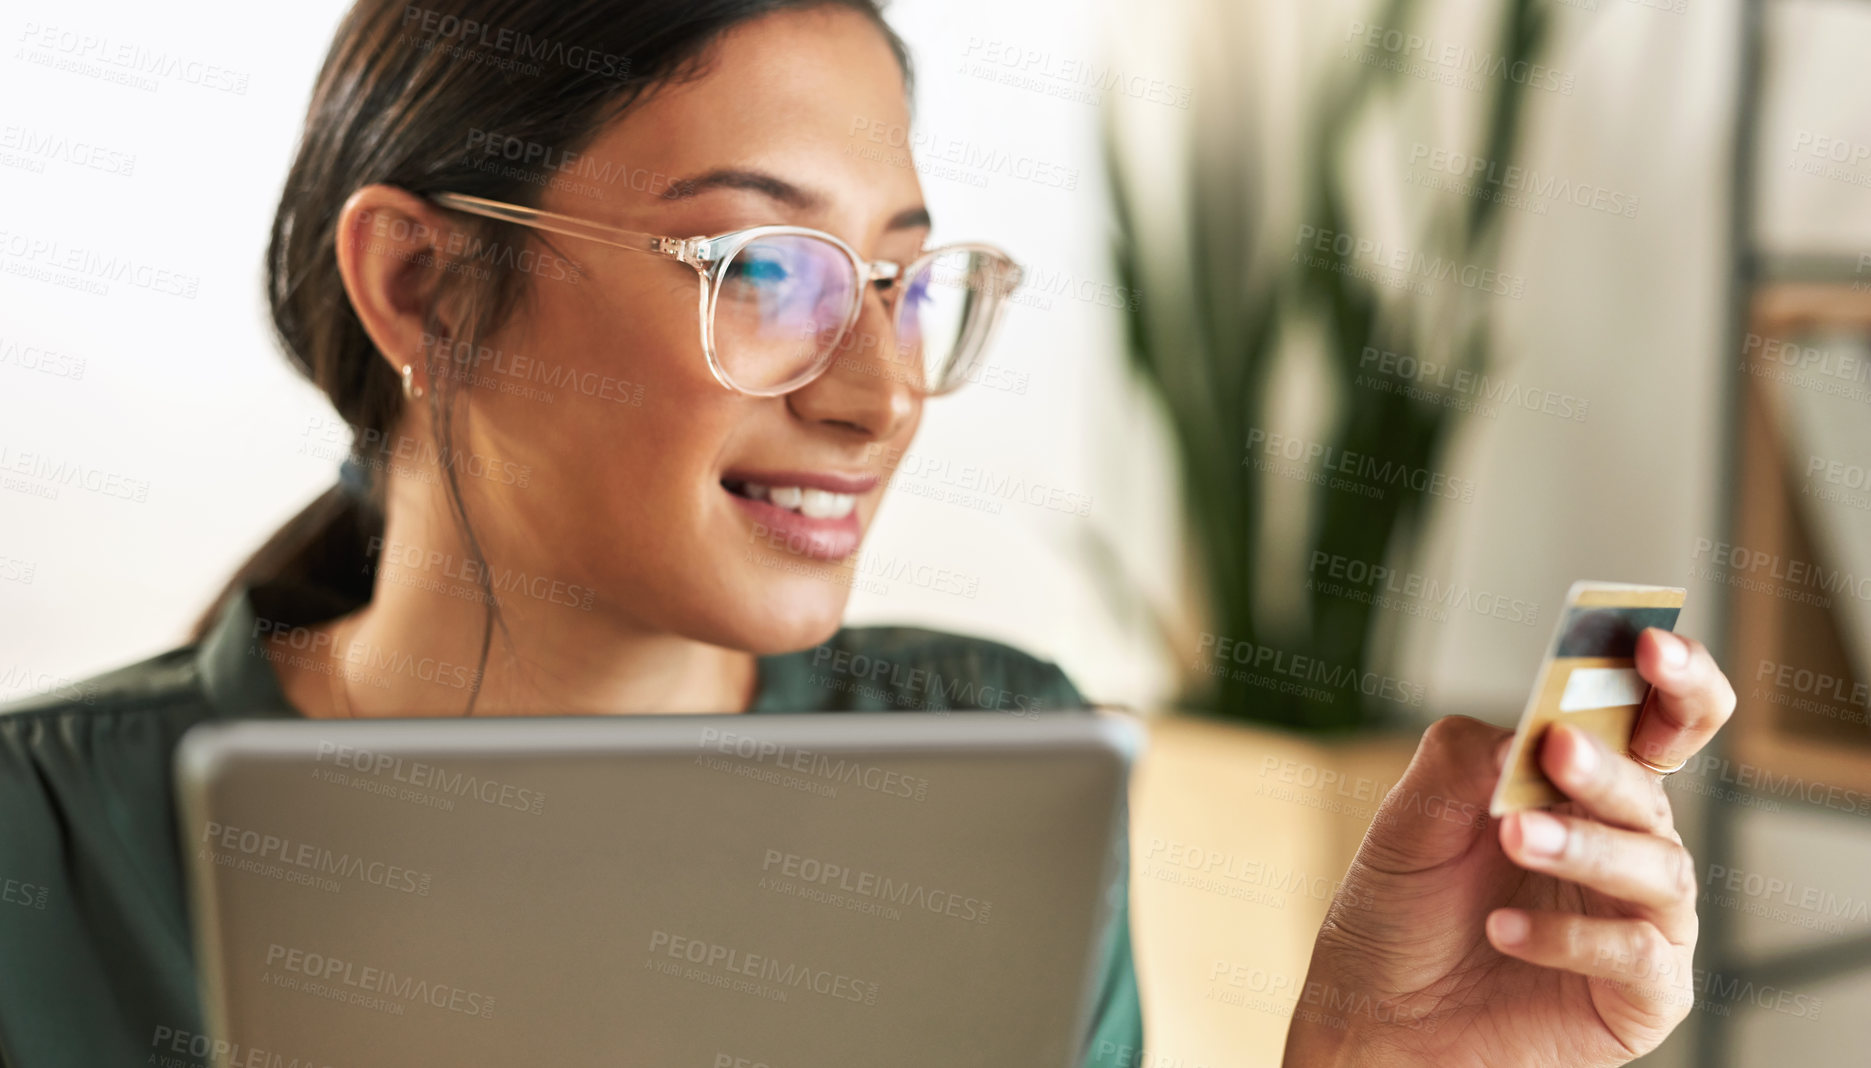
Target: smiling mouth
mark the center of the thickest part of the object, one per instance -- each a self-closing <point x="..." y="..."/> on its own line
<point x="808" y="501"/>
<point x="801" y="513"/>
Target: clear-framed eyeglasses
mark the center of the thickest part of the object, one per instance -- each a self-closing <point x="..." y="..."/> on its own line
<point x="777" y="302"/>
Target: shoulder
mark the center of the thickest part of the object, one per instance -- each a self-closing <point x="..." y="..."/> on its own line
<point x="932" y="669"/>
<point x="161" y="692"/>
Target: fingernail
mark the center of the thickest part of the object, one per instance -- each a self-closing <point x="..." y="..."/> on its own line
<point x="1541" y="835"/>
<point x="1584" y="753"/>
<point x="1510" y="926"/>
<point x="1675" y="650"/>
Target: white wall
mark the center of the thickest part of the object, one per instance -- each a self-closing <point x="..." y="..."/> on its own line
<point x="188" y="394"/>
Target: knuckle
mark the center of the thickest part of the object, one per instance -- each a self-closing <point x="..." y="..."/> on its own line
<point x="1654" y="949"/>
<point x="1443" y="734"/>
<point x="1683" y="878"/>
<point x="1576" y="944"/>
<point x="1661" y="813"/>
<point x="1588" y="847"/>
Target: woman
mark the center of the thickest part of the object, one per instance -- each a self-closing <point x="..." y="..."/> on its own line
<point x="576" y="488"/>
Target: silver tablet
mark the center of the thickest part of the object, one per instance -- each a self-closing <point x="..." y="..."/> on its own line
<point x="669" y="891"/>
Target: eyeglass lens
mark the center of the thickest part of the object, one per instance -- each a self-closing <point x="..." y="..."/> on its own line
<point x="783" y="299"/>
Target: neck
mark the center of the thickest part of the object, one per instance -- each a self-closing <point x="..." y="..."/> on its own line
<point x="416" y="648"/>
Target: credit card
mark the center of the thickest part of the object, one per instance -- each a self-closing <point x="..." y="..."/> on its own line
<point x="1589" y="679"/>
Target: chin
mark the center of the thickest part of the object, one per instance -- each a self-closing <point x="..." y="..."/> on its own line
<point x="786" y="618"/>
<point x="759" y="610"/>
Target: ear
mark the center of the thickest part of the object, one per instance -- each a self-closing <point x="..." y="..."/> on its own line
<point x="392" y="250"/>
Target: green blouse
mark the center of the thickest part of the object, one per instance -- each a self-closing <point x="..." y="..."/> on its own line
<point x="96" y="962"/>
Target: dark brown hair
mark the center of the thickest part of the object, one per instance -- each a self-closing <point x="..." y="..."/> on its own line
<point x="402" y="91"/>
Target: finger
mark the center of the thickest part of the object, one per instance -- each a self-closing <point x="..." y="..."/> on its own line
<point x="1611" y="787"/>
<point x="1628" y="950"/>
<point x="1689" y="701"/>
<point x="1440" y="804"/>
<point x="1631" y="866"/>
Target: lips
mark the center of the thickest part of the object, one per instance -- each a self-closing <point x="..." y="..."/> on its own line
<point x="810" y="514"/>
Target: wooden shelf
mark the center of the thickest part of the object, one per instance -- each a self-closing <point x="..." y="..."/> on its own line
<point x="1780" y="730"/>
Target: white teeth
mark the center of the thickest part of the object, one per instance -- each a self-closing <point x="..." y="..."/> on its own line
<point x="811" y="503"/>
<point x="823" y="504"/>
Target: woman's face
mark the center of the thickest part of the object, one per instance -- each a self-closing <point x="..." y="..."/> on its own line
<point x="636" y="468"/>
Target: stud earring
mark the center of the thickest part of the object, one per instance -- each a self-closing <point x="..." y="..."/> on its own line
<point x="410" y="388"/>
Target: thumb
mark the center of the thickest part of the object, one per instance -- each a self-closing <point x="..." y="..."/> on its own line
<point x="1440" y="805"/>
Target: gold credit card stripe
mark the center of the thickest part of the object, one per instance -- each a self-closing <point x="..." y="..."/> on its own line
<point x="1522" y="785"/>
<point x="1603" y="597"/>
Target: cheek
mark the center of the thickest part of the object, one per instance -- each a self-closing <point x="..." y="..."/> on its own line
<point x="601" y="391"/>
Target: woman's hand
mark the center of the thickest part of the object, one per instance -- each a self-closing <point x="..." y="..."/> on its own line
<point x="1544" y="938"/>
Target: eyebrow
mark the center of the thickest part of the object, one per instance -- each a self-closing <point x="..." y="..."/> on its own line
<point x="776" y="188"/>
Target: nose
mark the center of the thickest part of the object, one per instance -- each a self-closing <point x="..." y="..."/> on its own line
<point x="868" y="388"/>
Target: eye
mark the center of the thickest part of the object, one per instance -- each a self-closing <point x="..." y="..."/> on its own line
<point x="918" y="291"/>
<point x="754" y="267"/>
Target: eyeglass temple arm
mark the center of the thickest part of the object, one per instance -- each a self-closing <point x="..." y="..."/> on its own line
<point x="686" y="251"/>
